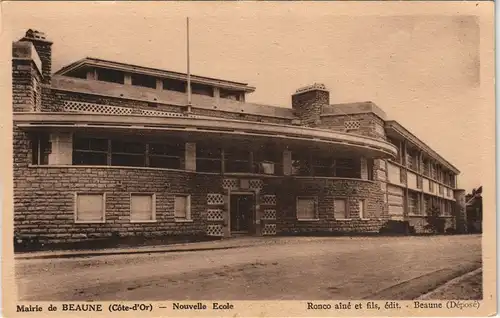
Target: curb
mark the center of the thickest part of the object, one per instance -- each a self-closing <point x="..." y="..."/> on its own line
<point x="104" y="253"/>
<point x="428" y="296"/>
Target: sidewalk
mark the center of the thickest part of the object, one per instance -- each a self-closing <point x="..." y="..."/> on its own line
<point x="180" y="247"/>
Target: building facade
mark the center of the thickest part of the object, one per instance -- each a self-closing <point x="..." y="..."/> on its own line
<point x="103" y="148"/>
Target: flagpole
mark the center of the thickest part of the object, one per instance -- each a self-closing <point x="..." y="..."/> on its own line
<point x="188" y="68"/>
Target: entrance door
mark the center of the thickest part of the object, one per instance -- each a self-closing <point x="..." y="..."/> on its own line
<point x="242" y="208"/>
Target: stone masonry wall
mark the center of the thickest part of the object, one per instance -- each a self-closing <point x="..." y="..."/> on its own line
<point x="308" y="106"/>
<point x="25" y="78"/>
<point x="370" y="124"/>
<point x="326" y="190"/>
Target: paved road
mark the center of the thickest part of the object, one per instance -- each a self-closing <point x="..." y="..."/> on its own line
<point x="279" y="268"/>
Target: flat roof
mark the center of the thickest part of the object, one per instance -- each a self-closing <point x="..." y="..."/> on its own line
<point x="166" y="74"/>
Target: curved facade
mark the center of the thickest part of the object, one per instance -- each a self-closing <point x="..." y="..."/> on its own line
<point x="107" y="149"/>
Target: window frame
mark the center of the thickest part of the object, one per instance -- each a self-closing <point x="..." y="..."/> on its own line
<point x="153" y="206"/>
<point x="316" y="208"/>
<point x="189" y="215"/>
<point x="347" y="216"/>
<point x="76" y="220"/>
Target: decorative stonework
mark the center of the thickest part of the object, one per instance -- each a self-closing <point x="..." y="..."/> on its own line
<point x="81" y="107"/>
<point x="269" y="229"/>
<point x="268" y="199"/>
<point x="255" y="184"/>
<point x="214" y="215"/>
<point x="230" y="184"/>
<point x="352" y="124"/>
<point x="269" y="214"/>
<point x="215" y="230"/>
<point x="215" y="199"/>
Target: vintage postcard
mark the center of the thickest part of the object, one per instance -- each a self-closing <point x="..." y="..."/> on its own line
<point x="243" y="159"/>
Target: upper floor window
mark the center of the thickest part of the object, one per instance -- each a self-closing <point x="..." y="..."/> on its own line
<point x="90" y="151"/>
<point x="100" y="151"/>
<point x="267" y="160"/>
<point x="110" y="76"/>
<point x="307" y="164"/>
<point x="237" y="160"/>
<point x="166" y="155"/>
<point x="143" y="80"/>
<point x="208" y="158"/>
<point x="128" y="153"/>
<point x="174" y="85"/>
<point x="201" y="89"/>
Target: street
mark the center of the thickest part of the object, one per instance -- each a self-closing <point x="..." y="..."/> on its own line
<point x="281" y="268"/>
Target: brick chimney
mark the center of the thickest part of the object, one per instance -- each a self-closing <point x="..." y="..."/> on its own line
<point x="308" y="101"/>
<point x="44" y="49"/>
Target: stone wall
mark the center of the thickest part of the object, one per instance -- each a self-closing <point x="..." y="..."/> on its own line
<point x="307" y="106"/>
<point x="326" y="190"/>
<point x="44" y="202"/>
<point x="26" y="88"/>
<point x="369" y="124"/>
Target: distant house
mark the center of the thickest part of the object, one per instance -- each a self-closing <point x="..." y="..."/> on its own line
<point x="474" y="208"/>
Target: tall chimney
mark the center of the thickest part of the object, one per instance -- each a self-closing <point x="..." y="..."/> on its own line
<point x="308" y="101"/>
<point x="44" y="50"/>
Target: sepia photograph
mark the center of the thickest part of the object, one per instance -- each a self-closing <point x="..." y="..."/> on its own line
<point x="324" y="154"/>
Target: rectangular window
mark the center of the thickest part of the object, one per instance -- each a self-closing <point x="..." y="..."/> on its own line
<point x="174" y="85"/>
<point x="301" y="163"/>
<point x="431" y="186"/>
<point x="267" y="160"/>
<point x="166" y="155"/>
<point x="413" y="203"/>
<point x="110" y="76"/>
<point x="201" y="89"/>
<point x="362" y="209"/>
<point x="347" y="168"/>
<point x="182" y="208"/>
<point x="128" y="153"/>
<point x="142" y="207"/>
<point x="324" y="167"/>
<point x="208" y="159"/>
<point x="306" y="208"/>
<point x="41" y="147"/>
<point x="143" y="80"/>
<point x="90" y="208"/>
<point x="90" y="151"/>
<point x="237" y="160"/>
<point x="340" y="209"/>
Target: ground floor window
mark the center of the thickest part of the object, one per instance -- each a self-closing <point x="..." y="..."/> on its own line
<point x="362" y="209"/>
<point x="413" y="203"/>
<point x="182" y="207"/>
<point x="142" y="207"/>
<point x="306" y="208"/>
<point x="340" y="209"/>
<point x="90" y="207"/>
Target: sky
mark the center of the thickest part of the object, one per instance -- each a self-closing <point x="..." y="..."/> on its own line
<point x="422" y="69"/>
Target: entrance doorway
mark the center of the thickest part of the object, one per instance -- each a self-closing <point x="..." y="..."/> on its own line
<point x="242" y="213"/>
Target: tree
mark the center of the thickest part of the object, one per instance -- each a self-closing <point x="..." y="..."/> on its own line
<point x="435" y="223"/>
